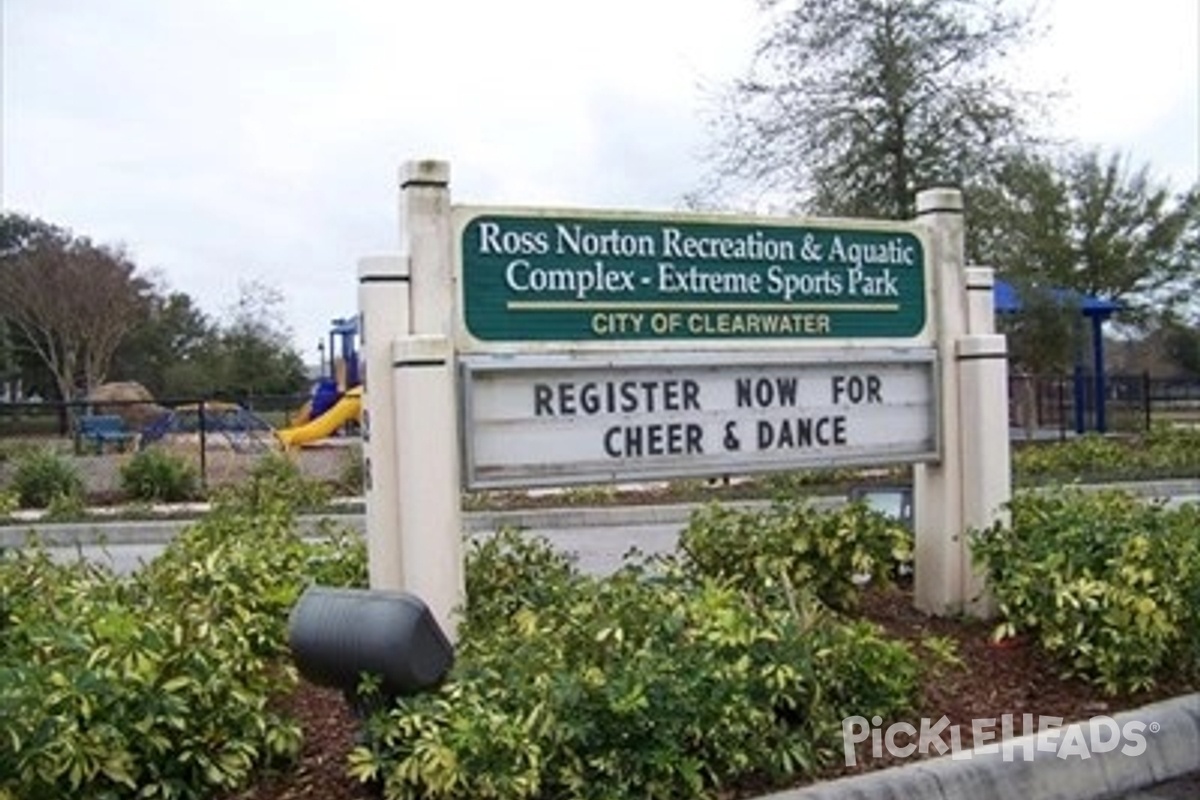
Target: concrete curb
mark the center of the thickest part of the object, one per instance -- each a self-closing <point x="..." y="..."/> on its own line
<point x="118" y="533"/>
<point x="601" y="516"/>
<point x="1160" y="489"/>
<point x="1171" y="750"/>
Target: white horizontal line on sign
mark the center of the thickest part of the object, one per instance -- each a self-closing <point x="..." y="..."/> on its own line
<point x="652" y="305"/>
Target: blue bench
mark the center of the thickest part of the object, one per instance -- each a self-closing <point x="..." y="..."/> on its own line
<point x="98" y="430"/>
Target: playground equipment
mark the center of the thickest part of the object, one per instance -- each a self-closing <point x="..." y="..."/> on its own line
<point x="1097" y="310"/>
<point x="243" y="430"/>
<point x="347" y="409"/>
<point x="337" y="396"/>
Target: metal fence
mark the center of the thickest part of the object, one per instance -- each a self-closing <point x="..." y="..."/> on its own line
<point x="223" y="437"/>
<point x="1058" y="406"/>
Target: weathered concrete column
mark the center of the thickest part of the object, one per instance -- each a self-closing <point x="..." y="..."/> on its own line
<point x="981" y="300"/>
<point x="982" y="358"/>
<point x="937" y="488"/>
<point x="427" y="240"/>
<point x="383" y="308"/>
<point x="424" y="377"/>
<point x="986" y="483"/>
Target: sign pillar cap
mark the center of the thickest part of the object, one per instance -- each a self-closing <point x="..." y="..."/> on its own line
<point x="981" y="277"/>
<point x="942" y="199"/>
<point x="383" y="265"/>
<point x="424" y="172"/>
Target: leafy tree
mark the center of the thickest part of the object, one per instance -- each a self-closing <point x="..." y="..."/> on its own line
<point x="1088" y="223"/>
<point x="1019" y="219"/>
<point x="1019" y="222"/>
<point x="1134" y="240"/>
<point x="19" y="232"/>
<point x="854" y="105"/>
<point x="8" y="356"/>
<point x="1049" y="334"/>
<point x="260" y="358"/>
<point x="1182" y="346"/>
<point x="71" y="301"/>
<point x="1081" y="223"/>
<point x="169" y="341"/>
<point x="248" y="353"/>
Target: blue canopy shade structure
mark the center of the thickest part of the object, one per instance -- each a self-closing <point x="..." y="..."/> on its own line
<point x="1096" y="309"/>
<point x="1008" y="301"/>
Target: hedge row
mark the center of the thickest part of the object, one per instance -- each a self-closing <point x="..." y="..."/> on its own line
<point x="158" y="685"/>
<point x="672" y="678"/>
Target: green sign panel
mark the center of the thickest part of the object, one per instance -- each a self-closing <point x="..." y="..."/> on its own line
<point x="598" y="278"/>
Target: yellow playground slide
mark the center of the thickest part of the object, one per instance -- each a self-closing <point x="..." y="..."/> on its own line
<point x="347" y="409"/>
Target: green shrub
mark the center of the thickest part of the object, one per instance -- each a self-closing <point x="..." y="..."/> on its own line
<point x="1093" y="454"/>
<point x="337" y="558"/>
<point x="790" y="485"/>
<point x="1107" y="584"/>
<point x="9" y="502"/>
<point x="1174" y="449"/>
<point x="15" y="450"/>
<point x="66" y="508"/>
<point x="352" y="475"/>
<point x="275" y="482"/>
<point x="1163" y="451"/>
<point x="157" y="685"/>
<point x="652" y="682"/>
<point x="156" y="475"/>
<point x="511" y="572"/>
<point x="43" y="475"/>
<point x="253" y="565"/>
<point x="793" y="543"/>
<point x="114" y="693"/>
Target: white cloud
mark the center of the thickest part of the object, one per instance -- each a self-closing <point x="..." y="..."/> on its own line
<point x="1128" y="72"/>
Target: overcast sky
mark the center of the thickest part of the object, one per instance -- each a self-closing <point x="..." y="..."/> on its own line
<point x="232" y="140"/>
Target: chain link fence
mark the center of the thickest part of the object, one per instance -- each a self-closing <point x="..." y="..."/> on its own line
<point x="223" y="438"/>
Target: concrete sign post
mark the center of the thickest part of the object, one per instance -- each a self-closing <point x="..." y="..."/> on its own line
<point x="423" y="379"/>
<point x="430" y="516"/>
<point x="937" y="491"/>
<point x="542" y="347"/>
<point x="410" y="451"/>
<point x="987" y="464"/>
<point x="968" y="486"/>
<point x="383" y="309"/>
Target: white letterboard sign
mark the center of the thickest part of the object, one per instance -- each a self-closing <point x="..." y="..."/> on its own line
<point x="557" y="420"/>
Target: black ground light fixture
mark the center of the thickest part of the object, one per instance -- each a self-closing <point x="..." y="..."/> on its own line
<point x="339" y="635"/>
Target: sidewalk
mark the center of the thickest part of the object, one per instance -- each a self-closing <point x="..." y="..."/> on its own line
<point x="1167" y="769"/>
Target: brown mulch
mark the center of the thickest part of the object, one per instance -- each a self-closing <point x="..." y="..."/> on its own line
<point x="330" y="732"/>
<point x="994" y="679"/>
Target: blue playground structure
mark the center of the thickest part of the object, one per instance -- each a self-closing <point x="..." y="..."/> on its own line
<point x="1090" y="390"/>
<point x="343" y="372"/>
<point x="335" y="405"/>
